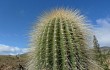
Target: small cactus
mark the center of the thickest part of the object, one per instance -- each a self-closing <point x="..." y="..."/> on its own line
<point x="59" y="42"/>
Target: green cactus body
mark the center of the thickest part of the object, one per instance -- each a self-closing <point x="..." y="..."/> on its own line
<point x="59" y="42"/>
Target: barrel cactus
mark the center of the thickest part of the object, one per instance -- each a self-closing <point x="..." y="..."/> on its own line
<point x="59" y="41"/>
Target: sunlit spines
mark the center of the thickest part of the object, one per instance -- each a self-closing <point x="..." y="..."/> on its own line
<point x="64" y="42"/>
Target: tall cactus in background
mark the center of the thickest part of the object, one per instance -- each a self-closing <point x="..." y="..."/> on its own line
<point x="59" y="42"/>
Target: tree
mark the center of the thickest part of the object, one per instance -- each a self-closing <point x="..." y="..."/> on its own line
<point x="98" y="56"/>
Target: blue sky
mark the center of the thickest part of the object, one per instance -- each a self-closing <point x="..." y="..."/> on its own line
<point x="18" y="16"/>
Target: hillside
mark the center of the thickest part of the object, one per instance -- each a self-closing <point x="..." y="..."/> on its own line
<point x="9" y="62"/>
<point x="18" y="62"/>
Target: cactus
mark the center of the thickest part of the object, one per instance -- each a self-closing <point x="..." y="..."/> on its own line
<point x="59" y="42"/>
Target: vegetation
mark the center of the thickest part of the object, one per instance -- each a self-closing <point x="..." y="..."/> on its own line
<point x="97" y="51"/>
<point x="60" y="42"/>
<point x="99" y="57"/>
<point x="10" y="62"/>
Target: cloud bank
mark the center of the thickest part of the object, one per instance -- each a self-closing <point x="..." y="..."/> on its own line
<point x="102" y="31"/>
<point x="10" y="50"/>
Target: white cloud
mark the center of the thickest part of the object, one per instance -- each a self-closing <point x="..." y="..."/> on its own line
<point x="102" y="31"/>
<point x="10" y="50"/>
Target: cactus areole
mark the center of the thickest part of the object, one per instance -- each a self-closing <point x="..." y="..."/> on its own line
<point x="59" y="42"/>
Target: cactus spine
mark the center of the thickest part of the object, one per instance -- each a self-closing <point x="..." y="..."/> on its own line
<point x="59" y="42"/>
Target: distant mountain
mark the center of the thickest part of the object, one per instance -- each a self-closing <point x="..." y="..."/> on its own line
<point x="105" y="49"/>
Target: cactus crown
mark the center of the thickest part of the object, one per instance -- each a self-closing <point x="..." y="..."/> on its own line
<point x="59" y="42"/>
